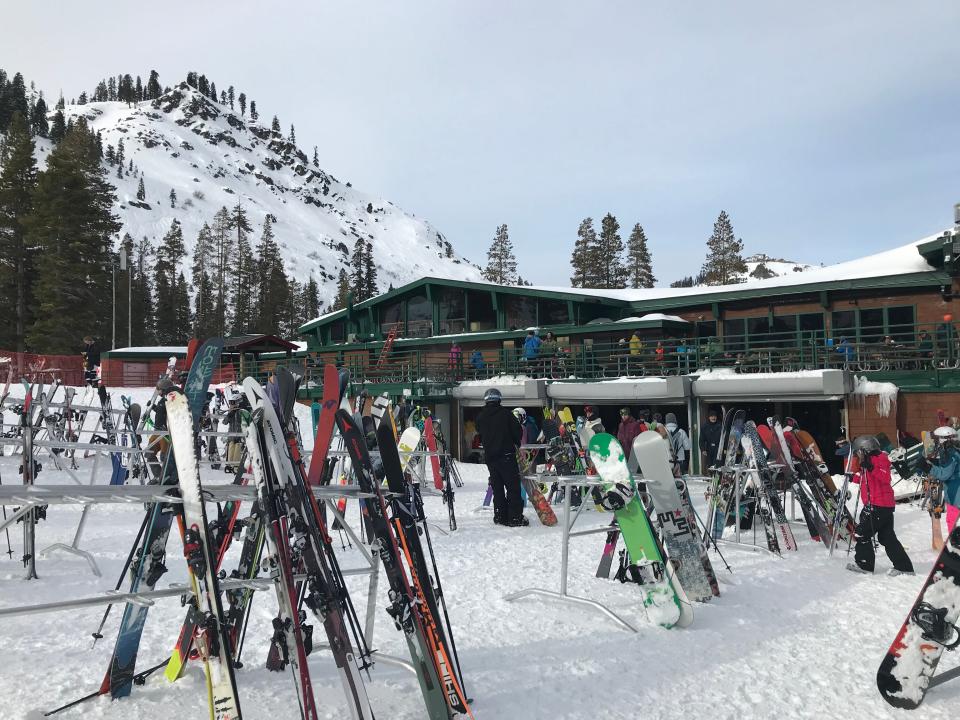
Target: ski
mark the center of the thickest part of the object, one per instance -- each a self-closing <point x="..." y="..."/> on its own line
<point x="211" y="641"/>
<point x="766" y="487"/>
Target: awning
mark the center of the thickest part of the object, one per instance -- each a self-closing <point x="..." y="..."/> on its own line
<point x="525" y="392"/>
<point x="673" y="389"/>
<point x="807" y="385"/>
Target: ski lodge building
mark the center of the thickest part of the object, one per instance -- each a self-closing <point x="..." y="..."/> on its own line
<point x="869" y="344"/>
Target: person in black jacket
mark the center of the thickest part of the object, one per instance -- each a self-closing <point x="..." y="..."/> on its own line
<point x="501" y="434"/>
<point x="710" y="433"/>
<point x="91" y="361"/>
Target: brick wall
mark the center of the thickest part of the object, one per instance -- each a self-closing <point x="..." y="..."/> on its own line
<point x="914" y="413"/>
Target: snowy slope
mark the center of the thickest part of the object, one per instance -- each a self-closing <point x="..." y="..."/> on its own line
<point x="777" y="266"/>
<point x="797" y="637"/>
<point x="212" y="157"/>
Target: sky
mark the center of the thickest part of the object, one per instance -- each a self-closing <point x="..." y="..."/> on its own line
<point x="826" y="130"/>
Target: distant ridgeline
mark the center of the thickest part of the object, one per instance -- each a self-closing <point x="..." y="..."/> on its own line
<point x="229" y="225"/>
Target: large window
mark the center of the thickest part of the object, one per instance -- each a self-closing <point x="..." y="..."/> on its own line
<point x="758" y="329"/>
<point x="811" y="325"/>
<point x="553" y="312"/>
<point x="419" y="316"/>
<point x="734" y="334"/>
<point x="900" y="323"/>
<point x="453" y="316"/>
<point x="871" y="325"/>
<point x="843" y="324"/>
<point x="784" y="331"/>
<point x="706" y="329"/>
<point x="390" y="316"/>
<point x="521" y="312"/>
<point x="480" y="307"/>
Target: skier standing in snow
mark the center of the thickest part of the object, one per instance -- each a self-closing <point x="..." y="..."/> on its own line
<point x="679" y="444"/>
<point x="945" y="467"/>
<point x="876" y="518"/>
<point x="710" y="433"/>
<point x="91" y="361"/>
<point x="501" y="435"/>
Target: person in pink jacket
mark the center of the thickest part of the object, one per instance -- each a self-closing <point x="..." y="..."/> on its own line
<point x="876" y="518"/>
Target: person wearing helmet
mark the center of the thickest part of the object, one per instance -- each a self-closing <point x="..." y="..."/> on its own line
<point x="876" y="518"/>
<point x="945" y="467"/>
<point x="501" y="436"/>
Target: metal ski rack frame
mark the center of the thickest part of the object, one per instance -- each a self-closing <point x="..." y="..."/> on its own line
<point x="568" y="522"/>
<point x="740" y="474"/>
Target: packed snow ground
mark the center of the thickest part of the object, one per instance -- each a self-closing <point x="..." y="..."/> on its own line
<point x="796" y="637"/>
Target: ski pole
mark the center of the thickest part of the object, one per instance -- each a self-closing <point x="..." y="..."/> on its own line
<point x="856" y="507"/>
<point x="710" y="538"/>
<point x="123" y="573"/>
<point x="138" y="679"/>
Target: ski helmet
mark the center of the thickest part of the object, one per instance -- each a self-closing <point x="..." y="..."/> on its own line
<point x="520" y="414"/>
<point x="945" y="433"/>
<point x="866" y="444"/>
<point x="618" y="496"/>
<point x="492" y="397"/>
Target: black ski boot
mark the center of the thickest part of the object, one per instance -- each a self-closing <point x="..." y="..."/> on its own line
<point x="193" y="551"/>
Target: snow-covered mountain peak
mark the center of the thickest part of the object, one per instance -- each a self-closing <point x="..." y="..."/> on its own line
<point x="211" y="156"/>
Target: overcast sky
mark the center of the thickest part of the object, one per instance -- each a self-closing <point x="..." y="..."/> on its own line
<point x="826" y="130"/>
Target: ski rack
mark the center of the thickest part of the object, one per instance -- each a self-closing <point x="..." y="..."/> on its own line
<point x="563" y="596"/>
<point x="741" y="471"/>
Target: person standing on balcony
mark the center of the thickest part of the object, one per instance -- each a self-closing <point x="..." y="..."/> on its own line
<point x="455" y="360"/>
<point x="710" y="433"/>
<point x="846" y="349"/>
<point x="477" y="363"/>
<point x="679" y="443"/>
<point x="531" y="349"/>
<point x="501" y="435"/>
<point x="548" y="351"/>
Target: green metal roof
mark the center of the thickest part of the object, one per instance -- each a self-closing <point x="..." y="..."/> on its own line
<point x="707" y="296"/>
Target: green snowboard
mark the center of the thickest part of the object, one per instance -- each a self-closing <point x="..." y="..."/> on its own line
<point x="665" y="602"/>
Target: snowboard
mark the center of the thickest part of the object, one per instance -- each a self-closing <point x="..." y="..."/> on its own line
<point x="664" y="599"/>
<point x="930" y="627"/>
<point x="650" y="452"/>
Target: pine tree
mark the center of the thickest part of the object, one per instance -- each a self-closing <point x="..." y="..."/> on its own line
<point x="111" y="89"/>
<point x="581" y="260"/>
<point x="358" y="282"/>
<point x="82" y="99"/>
<point x="293" y="135"/>
<point x="18" y="180"/>
<point x="608" y="258"/>
<point x="639" y="264"/>
<point x="230" y="96"/>
<point x="153" y="86"/>
<point x="369" y="274"/>
<point x="242" y="275"/>
<point x="724" y="254"/>
<point x="254" y="115"/>
<point x="59" y="127"/>
<point x="141" y="293"/>
<point x="71" y="226"/>
<point x="243" y="104"/>
<point x="275" y="125"/>
<point x="311" y="299"/>
<point x="272" y="291"/>
<point x="222" y="268"/>
<point x="100" y="94"/>
<point x="316" y="158"/>
<point x="213" y="92"/>
<point x="138" y="90"/>
<point x="141" y="191"/>
<point x="38" y="118"/>
<point x="173" y="204"/>
<point x="343" y="291"/>
<point x="204" y="302"/>
<point x="166" y="277"/>
<point x="501" y="262"/>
